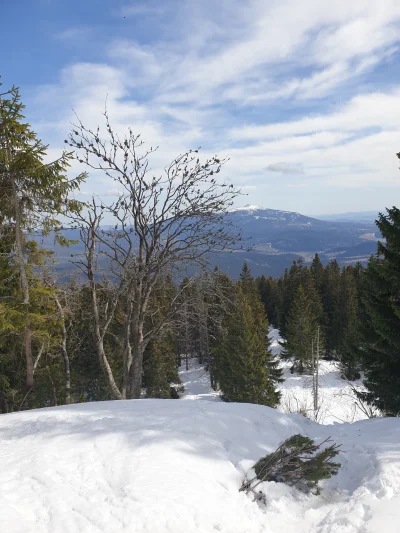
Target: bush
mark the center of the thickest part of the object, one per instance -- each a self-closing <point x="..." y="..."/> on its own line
<point x="297" y="462"/>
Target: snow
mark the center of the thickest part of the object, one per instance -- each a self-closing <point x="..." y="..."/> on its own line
<point x="159" y="466"/>
<point x="247" y="207"/>
<point x="197" y="383"/>
<point x="337" y="401"/>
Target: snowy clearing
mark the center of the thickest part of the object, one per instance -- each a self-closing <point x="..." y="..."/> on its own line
<point x="337" y="402"/>
<point x="176" y="466"/>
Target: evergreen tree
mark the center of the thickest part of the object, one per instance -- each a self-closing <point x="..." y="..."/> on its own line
<point x="330" y="301"/>
<point x="160" y="367"/>
<point x="310" y="289"/>
<point x="347" y="320"/>
<point x="380" y="327"/>
<point x="33" y="193"/>
<point x="247" y="282"/>
<point x="291" y="282"/>
<point x="269" y="294"/>
<point x="317" y="271"/>
<point x="221" y="308"/>
<point x="300" y="329"/>
<point x="245" y="374"/>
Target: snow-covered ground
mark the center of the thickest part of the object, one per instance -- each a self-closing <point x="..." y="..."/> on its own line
<point x="197" y="383"/>
<point x="160" y="466"/>
<point x="336" y="399"/>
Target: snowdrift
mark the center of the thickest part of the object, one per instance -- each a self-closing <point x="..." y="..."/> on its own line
<point x="176" y="466"/>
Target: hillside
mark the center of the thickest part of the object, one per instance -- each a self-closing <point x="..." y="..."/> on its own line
<point x="272" y="240"/>
<point x="176" y="466"/>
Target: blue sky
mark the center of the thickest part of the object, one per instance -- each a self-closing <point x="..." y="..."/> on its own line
<point x="304" y="97"/>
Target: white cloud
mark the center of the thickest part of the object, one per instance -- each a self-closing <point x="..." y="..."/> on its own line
<point x="212" y="71"/>
<point x="286" y="168"/>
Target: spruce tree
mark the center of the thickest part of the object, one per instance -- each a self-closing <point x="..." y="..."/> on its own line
<point x="347" y="320"/>
<point x="317" y="271"/>
<point x="380" y="327"/>
<point x="250" y="290"/>
<point x="160" y="367"/>
<point x="247" y="282"/>
<point x="245" y="373"/>
<point x="33" y="193"/>
<point x="300" y="329"/>
<point x="268" y="291"/>
<point x="220" y="310"/>
<point x="330" y="301"/>
<point x="310" y="289"/>
<point x="291" y="282"/>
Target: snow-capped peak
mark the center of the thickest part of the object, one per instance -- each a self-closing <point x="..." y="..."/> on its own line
<point x="247" y="207"/>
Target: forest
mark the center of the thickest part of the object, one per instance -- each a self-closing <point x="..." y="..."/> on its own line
<point x="130" y="315"/>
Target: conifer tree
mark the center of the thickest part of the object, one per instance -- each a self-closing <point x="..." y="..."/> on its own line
<point x="380" y="327"/>
<point x="291" y="282"/>
<point x="33" y="195"/>
<point x="221" y="308"/>
<point x="247" y="282"/>
<point x="347" y="322"/>
<point x="250" y="290"/>
<point x="310" y="289"/>
<point x="330" y="300"/>
<point x="317" y="271"/>
<point x="160" y="367"/>
<point x="269" y="294"/>
<point x="245" y="375"/>
<point x="300" y="329"/>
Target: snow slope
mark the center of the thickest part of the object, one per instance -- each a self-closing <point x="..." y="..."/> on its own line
<point x="337" y="402"/>
<point x="160" y="466"/>
<point x="197" y="383"/>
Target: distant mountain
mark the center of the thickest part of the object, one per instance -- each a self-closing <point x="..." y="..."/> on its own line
<point x="276" y="239"/>
<point x="352" y="216"/>
<point x="293" y="232"/>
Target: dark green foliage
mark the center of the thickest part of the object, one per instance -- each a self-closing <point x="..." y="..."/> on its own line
<point x="291" y="282"/>
<point x="297" y="462"/>
<point x="300" y="329"/>
<point x="221" y="307"/>
<point x="160" y="368"/>
<point x="347" y="322"/>
<point x="380" y="327"/>
<point x="317" y="271"/>
<point x="247" y="370"/>
<point x="270" y="296"/>
<point x="330" y="300"/>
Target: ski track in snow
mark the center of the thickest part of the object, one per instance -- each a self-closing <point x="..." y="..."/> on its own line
<point x="161" y="466"/>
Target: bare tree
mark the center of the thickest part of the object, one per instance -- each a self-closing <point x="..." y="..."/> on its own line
<point x="162" y="223"/>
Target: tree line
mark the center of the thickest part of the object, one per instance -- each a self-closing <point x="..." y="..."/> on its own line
<point x="356" y="308"/>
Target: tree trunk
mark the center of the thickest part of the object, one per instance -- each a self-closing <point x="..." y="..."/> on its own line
<point x="23" y="278"/>
<point x="67" y="369"/>
<point x="114" y="390"/>
<point x="136" y="370"/>
<point x="98" y="336"/>
<point x="64" y="351"/>
<point x="28" y="354"/>
<point x="127" y="353"/>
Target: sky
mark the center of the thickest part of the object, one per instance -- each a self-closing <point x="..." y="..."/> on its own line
<point x="303" y="97"/>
